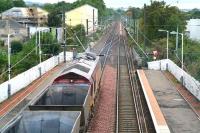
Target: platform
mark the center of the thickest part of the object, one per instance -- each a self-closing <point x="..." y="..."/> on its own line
<point x="178" y="114"/>
<point x="155" y="111"/>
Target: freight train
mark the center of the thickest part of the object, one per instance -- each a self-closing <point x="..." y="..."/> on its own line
<point x="67" y="104"/>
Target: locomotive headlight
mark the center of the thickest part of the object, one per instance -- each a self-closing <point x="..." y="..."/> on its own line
<point x="71" y="81"/>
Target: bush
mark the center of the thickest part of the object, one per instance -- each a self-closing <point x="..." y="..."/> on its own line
<point x="52" y="49"/>
<point x="1" y="43"/>
<point x="16" y="46"/>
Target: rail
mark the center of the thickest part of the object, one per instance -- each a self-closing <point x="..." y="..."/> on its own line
<point x="137" y="103"/>
<point x="117" y="92"/>
<point x="135" y="89"/>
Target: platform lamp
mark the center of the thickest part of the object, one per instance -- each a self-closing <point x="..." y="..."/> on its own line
<point x="182" y="65"/>
<point x="9" y="63"/>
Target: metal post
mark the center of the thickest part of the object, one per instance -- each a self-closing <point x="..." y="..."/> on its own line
<point x="36" y="42"/>
<point x="9" y="66"/>
<point x="182" y="65"/>
<point x="182" y="54"/>
<point x="144" y="27"/>
<point x="93" y="20"/>
<point x="167" y="44"/>
<point x="40" y="51"/>
<point x="64" y="39"/>
<point x="87" y="26"/>
<point x="177" y="41"/>
<point x="137" y="31"/>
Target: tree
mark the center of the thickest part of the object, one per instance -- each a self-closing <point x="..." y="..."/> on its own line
<point x="194" y="13"/>
<point x="2" y="61"/>
<point x="134" y="12"/>
<point x="51" y="49"/>
<point x="54" y="19"/>
<point x="7" y="4"/>
<point x="62" y="6"/>
<point x="1" y="43"/>
<point x="19" y="3"/>
<point x="162" y="16"/>
<point x="16" y="46"/>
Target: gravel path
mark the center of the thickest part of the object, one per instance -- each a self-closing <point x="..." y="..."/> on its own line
<point x="104" y="117"/>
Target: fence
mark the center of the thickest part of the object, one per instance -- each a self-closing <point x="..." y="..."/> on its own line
<point x="190" y="83"/>
<point x="24" y="79"/>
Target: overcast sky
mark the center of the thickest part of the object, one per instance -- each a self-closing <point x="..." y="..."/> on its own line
<point x="183" y="4"/>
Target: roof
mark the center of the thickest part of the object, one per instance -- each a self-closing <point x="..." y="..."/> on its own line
<point x="84" y="67"/>
<point x="81" y="7"/>
<point x="20" y="11"/>
<point x="23" y="11"/>
<point x="10" y="23"/>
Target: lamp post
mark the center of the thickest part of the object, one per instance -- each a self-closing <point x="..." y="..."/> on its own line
<point x="39" y="45"/>
<point x="39" y="42"/>
<point x="160" y="30"/>
<point x="182" y="58"/>
<point x="9" y="64"/>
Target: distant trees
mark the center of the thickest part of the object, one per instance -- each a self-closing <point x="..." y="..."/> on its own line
<point x="7" y="4"/>
<point x="59" y="7"/>
<point x="162" y="16"/>
<point x="19" y="3"/>
<point x="194" y="13"/>
<point x="134" y="13"/>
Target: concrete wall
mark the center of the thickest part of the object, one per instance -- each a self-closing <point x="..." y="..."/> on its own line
<point x="24" y="79"/>
<point x="189" y="82"/>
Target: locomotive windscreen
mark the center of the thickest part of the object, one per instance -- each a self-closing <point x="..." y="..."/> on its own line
<point x="65" y="94"/>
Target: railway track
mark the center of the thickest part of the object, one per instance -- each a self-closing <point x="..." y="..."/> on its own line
<point x="131" y="115"/>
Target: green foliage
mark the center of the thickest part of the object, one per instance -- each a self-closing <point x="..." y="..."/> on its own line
<point x="134" y="12"/>
<point x="162" y="16"/>
<point x="2" y="60"/>
<point x="194" y="13"/>
<point x="47" y="38"/>
<point x="51" y="49"/>
<point x="49" y="45"/>
<point x="78" y="31"/>
<point x="7" y="4"/>
<point x="28" y="62"/>
<point x="1" y="43"/>
<point x="54" y="19"/>
<point x="16" y="46"/>
<point x="62" y="6"/>
<point x="19" y="3"/>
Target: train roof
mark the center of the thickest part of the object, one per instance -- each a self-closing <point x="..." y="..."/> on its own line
<point x="84" y="67"/>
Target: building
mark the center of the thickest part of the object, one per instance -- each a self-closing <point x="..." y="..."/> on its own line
<point x="28" y="16"/>
<point x="85" y="15"/>
<point x="19" y="31"/>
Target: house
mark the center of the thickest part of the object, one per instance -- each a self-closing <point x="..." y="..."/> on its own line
<point x="27" y="16"/>
<point x="19" y="31"/>
<point x="85" y="15"/>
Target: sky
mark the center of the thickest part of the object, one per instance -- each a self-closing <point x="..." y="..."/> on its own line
<point x="182" y="4"/>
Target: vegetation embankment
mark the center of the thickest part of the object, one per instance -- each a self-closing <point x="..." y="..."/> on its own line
<point x="26" y="54"/>
<point x="157" y="16"/>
